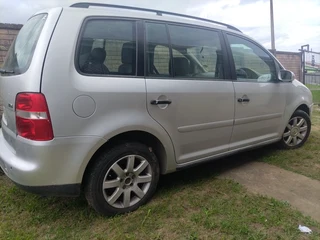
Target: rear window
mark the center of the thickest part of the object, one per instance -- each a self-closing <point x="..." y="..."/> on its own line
<point x="21" y="51"/>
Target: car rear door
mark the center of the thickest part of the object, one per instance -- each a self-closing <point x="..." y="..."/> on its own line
<point x="23" y="65"/>
<point x="187" y="93"/>
<point x="260" y="97"/>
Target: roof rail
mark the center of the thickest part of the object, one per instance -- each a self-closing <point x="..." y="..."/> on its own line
<point x="158" y="12"/>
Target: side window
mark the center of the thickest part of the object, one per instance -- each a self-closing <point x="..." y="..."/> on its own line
<point x="162" y="61"/>
<point x="196" y="52"/>
<point x="252" y="63"/>
<point x="157" y="50"/>
<point x="108" y="47"/>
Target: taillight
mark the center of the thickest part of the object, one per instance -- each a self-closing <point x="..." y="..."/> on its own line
<point x="32" y="117"/>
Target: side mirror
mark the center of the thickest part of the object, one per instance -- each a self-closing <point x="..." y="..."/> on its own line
<point x="286" y="75"/>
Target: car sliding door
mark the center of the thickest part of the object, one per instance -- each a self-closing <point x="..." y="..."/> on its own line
<point x="187" y="93"/>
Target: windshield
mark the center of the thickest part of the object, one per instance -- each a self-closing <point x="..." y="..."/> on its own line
<point x="21" y="51"/>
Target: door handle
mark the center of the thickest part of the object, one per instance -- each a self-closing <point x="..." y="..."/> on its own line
<point x="158" y="102"/>
<point x="241" y="100"/>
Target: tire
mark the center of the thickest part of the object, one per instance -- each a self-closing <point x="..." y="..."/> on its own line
<point x="295" y="137"/>
<point x="127" y="171"/>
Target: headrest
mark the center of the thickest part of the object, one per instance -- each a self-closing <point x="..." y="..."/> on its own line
<point x="128" y="54"/>
<point x="98" y="55"/>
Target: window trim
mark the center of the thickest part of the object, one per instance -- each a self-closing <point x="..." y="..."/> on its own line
<point x="82" y="28"/>
<point x="170" y="52"/>
<point x="141" y="68"/>
<point x="225" y="55"/>
<point x="232" y="63"/>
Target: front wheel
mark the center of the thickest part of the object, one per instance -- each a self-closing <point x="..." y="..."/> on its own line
<point x="297" y="131"/>
<point x="122" y="179"/>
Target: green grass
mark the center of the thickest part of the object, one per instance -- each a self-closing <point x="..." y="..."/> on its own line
<point x="313" y="86"/>
<point x="316" y="96"/>
<point x="315" y="89"/>
<point x="304" y="160"/>
<point x="192" y="204"/>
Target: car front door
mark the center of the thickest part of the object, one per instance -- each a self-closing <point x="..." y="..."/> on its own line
<point x="260" y="98"/>
<point x="186" y="91"/>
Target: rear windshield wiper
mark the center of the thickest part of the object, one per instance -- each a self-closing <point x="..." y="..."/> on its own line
<point x="5" y="71"/>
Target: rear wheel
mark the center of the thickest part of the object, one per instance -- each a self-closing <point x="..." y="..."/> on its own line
<point x="122" y="179"/>
<point x="297" y="131"/>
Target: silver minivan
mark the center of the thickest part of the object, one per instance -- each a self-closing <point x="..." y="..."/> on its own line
<point x="104" y="99"/>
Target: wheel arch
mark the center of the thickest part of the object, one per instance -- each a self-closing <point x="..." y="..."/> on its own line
<point x="139" y="136"/>
<point x="303" y="107"/>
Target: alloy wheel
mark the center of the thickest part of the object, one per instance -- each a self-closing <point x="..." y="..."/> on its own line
<point x="127" y="181"/>
<point x="296" y="131"/>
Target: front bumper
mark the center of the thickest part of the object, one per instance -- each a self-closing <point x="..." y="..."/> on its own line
<point x="50" y="168"/>
<point x="311" y="106"/>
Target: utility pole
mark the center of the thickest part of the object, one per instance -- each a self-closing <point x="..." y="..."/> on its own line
<point x="273" y="45"/>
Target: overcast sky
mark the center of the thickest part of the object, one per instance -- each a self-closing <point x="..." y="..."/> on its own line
<point x="297" y="22"/>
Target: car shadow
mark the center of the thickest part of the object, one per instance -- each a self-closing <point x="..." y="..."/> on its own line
<point x="212" y="168"/>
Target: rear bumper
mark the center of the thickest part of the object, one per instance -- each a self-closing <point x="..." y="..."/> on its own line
<point x="50" y="168"/>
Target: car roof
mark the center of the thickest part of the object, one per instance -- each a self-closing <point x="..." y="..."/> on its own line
<point x="146" y="14"/>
